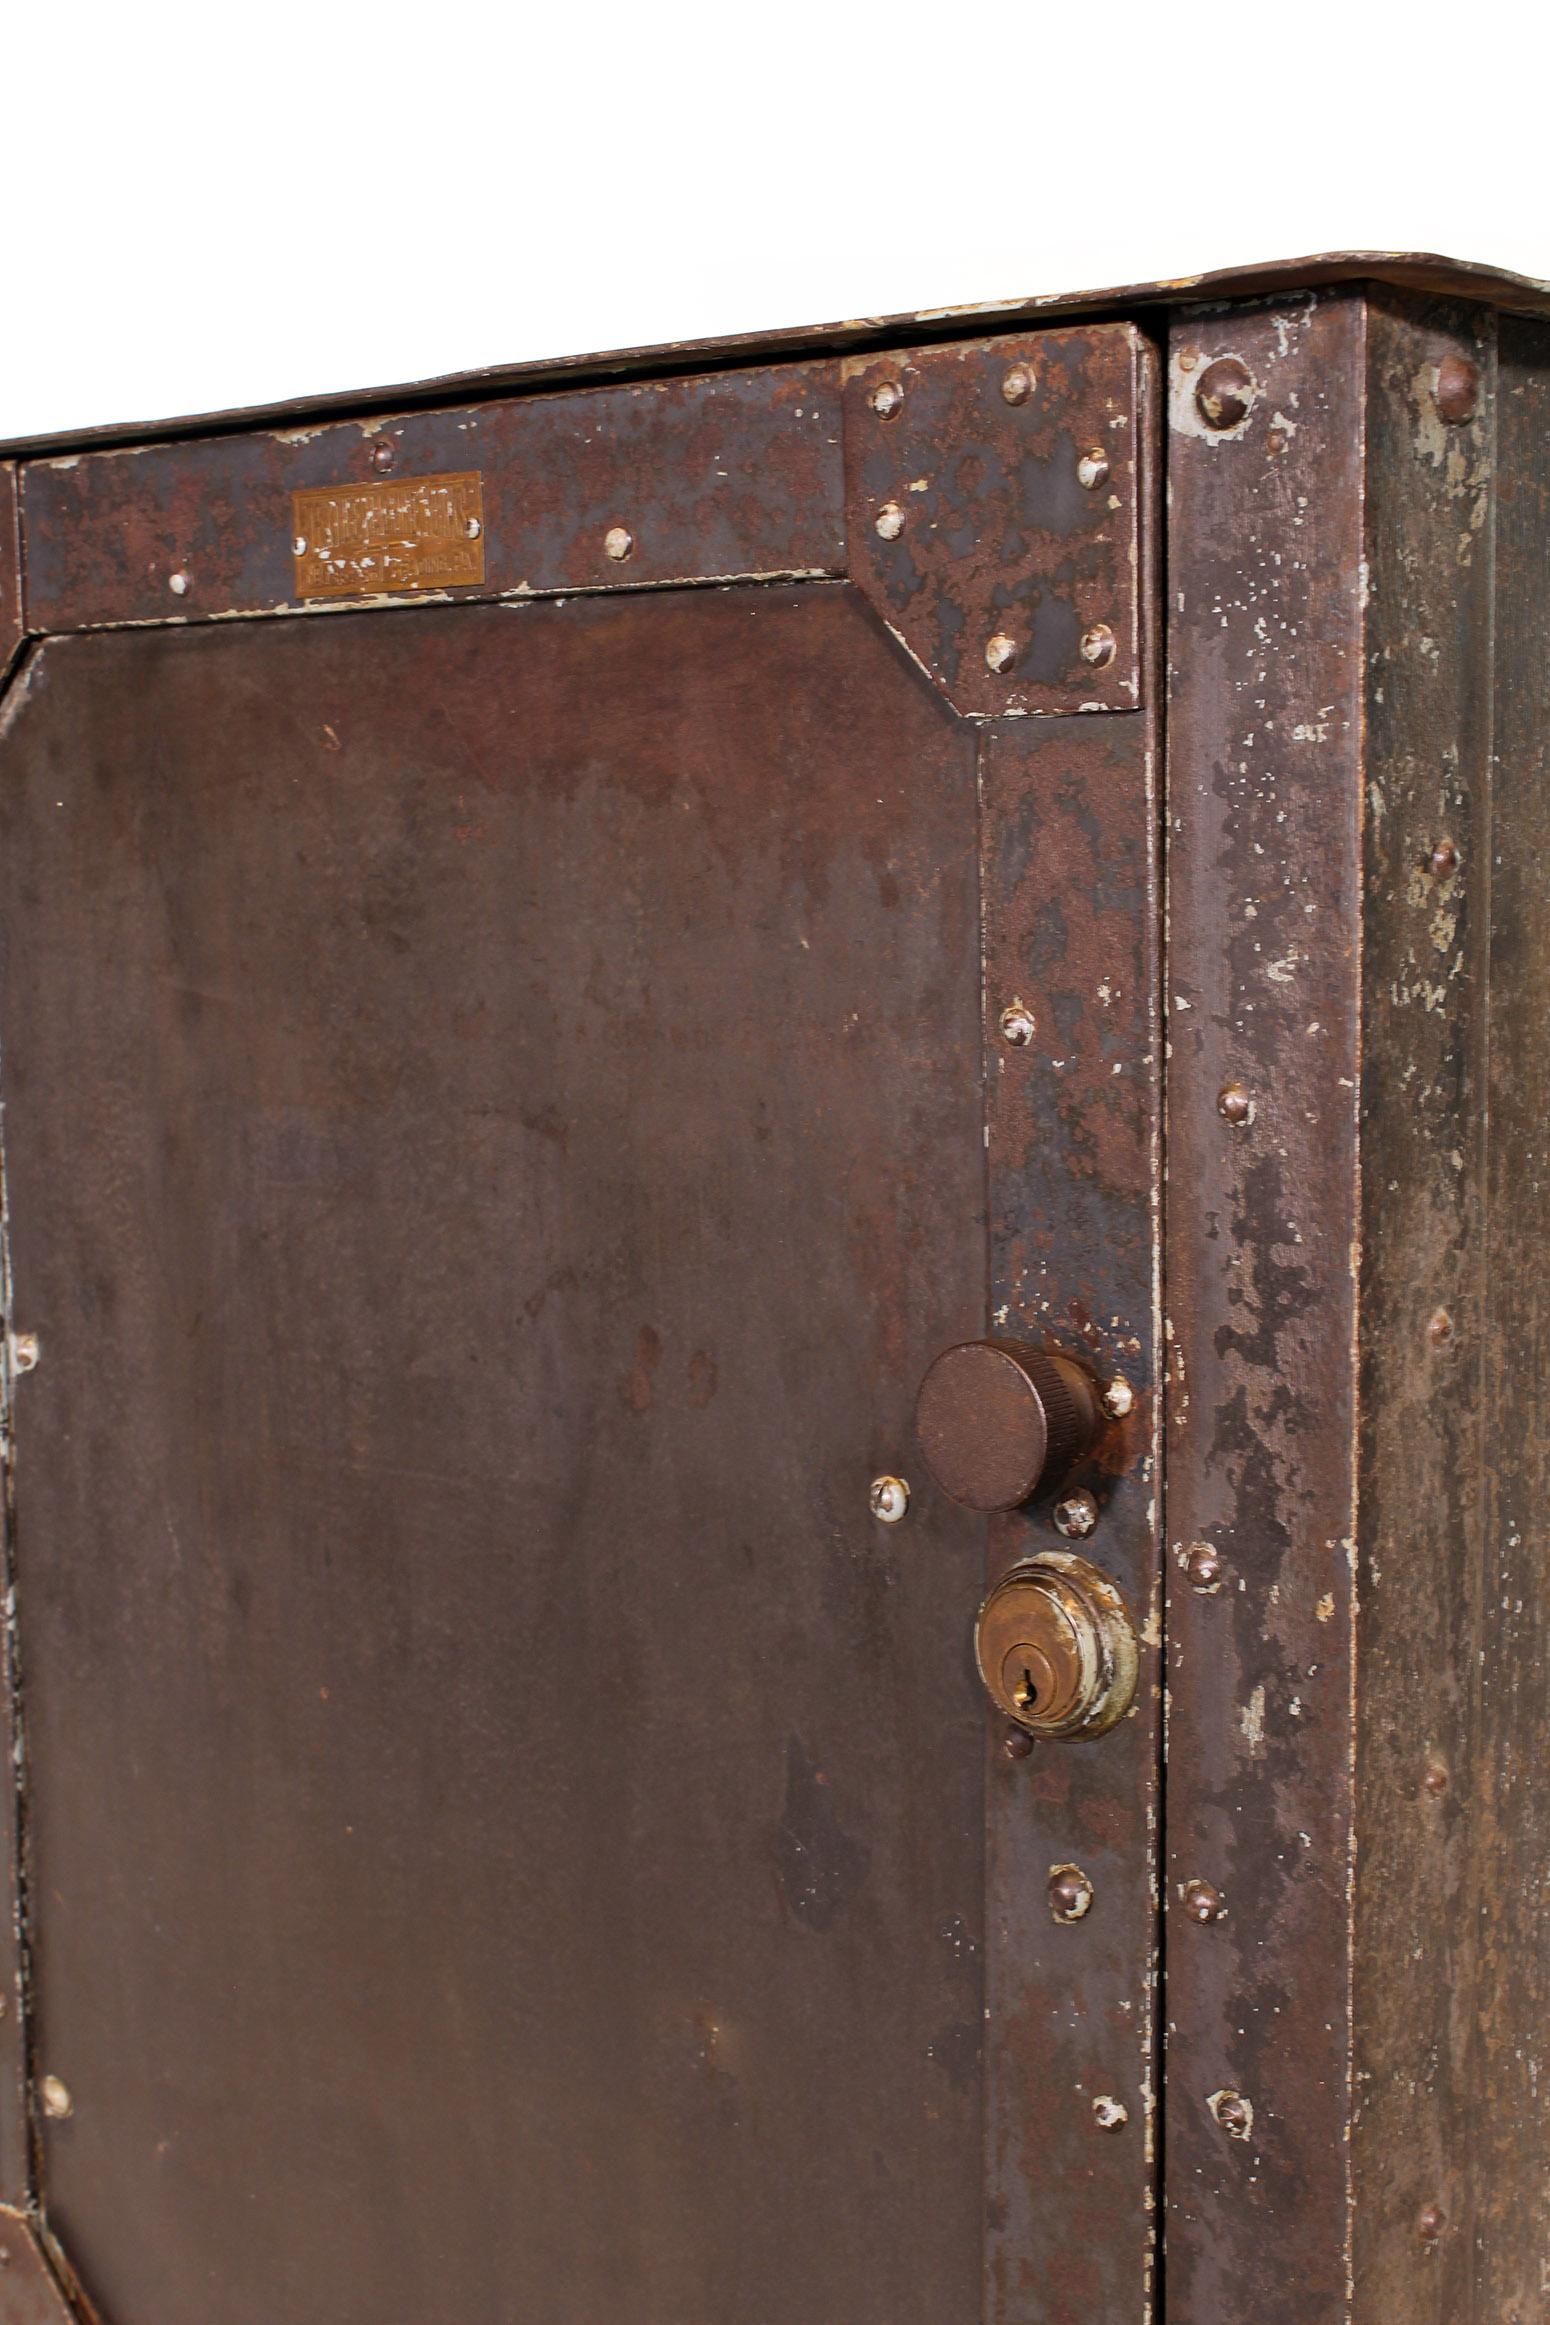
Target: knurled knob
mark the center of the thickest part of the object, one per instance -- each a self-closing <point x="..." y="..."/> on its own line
<point x="999" y="1422"/>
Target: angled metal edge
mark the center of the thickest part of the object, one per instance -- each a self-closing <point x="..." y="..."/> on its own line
<point x="30" y="2290"/>
<point x="1414" y="270"/>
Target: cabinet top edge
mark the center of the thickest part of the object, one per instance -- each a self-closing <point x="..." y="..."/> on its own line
<point x="1416" y="271"/>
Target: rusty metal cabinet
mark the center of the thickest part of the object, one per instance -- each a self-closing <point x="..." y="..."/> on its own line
<point x="567" y="940"/>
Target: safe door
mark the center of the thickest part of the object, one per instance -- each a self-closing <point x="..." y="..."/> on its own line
<point x="558" y="960"/>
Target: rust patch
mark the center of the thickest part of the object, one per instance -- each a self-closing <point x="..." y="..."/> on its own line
<point x="724" y="478"/>
<point x="992" y="514"/>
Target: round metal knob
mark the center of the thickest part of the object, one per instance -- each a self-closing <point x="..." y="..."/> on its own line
<point x="1055" y="1647"/>
<point x="999" y="1423"/>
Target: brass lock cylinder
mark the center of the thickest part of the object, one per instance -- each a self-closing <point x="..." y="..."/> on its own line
<point x="1056" y="1649"/>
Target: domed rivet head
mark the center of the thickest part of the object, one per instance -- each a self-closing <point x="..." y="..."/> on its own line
<point x="299" y="546"/>
<point x="1092" y="470"/>
<point x="1457" y="389"/>
<point x="1119" y="1398"/>
<point x="178" y="584"/>
<point x="1017" y="1743"/>
<point x="1017" y="386"/>
<point x="1233" y="2112"/>
<point x="1017" y="1025"/>
<point x="55" y="2098"/>
<point x="1224" y="393"/>
<point x="1076" y="1514"/>
<point x="383" y="455"/>
<point x="888" y="523"/>
<point x="887" y="399"/>
<point x="1203" y="1565"/>
<point x="1098" y="646"/>
<point x="472" y="528"/>
<point x="1234" y="1104"/>
<point x="1070" y="1892"/>
<point x="1000" y="651"/>
<point x="1443" y="861"/>
<point x="1430" y="2222"/>
<point x="888" y="1499"/>
<point x="1440" y="1330"/>
<point x="1435" y="1781"/>
<point x="1202" y="1902"/>
<point x="618" y="543"/>
<point x="1110" y="2114"/>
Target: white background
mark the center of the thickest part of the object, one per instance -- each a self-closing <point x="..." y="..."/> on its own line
<point x="211" y="205"/>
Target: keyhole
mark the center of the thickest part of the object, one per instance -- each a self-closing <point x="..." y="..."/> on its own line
<point x="1027" y="1695"/>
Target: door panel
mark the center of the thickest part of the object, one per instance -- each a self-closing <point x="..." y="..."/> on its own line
<point x="504" y="1102"/>
<point x="494" y="1127"/>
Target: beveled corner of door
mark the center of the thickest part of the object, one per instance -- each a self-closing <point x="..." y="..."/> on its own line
<point x="30" y="2292"/>
<point x="992" y="503"/>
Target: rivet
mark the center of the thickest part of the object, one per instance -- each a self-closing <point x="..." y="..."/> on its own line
<point x="886" y="399"/>
<point x="1233" y="2112"/>
<point x="57" y="2101"/>
<point x="1430" y="2222"/>
<point x="1110" y="2114"/>
<point x="1457" y="389"/>
<point x="1017" y="1025"/>
<point x="1070" y="1891"/>
<point x="1017" y="1743"/>
<point x="1203" y="1565"/>
<point x="1224" y="393"/>
<point x="618" y="543"/>
<point x="1188" y="358"/>
<point x="25" y="1351"/>
<point x="1440" y="1330"/>
<point x="472" y="528"/>
<point x="888" y="1499"/>
<point x="1076" y="1513"/>
<point x="1436" y="1779"/>
<point x="1017" y="386"/>
<point x="178" y="584"/>
<point x="383" y="454"/>
<point x="1098" y="646"/>
<point x="1444" y="860"/>
<point x="299" y="546"/>
<point x="1202" y="1902"/>
<point x="1092" y="470"/>
<point x="1234" y="1103"/>
<point x="1119" y="1398"/>
<point x="888" y="523"/>
<point x="1000" y="651"/>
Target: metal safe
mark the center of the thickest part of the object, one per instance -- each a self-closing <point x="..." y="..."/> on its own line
<point x="775" y="1149"/>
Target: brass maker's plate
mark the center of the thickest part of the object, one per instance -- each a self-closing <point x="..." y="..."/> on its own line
<point x="392" y="536"/>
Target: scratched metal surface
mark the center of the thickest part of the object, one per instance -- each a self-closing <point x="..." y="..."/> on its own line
<point x="1507" y="1840"/>
<point x="729" y="476"/>
<point x="968" y="520"/>
<point x="1264" y="757"/>
<point x="1421" y="1788"/>
<point x="1072" y="931"/>
<point x="493" y="1107"/>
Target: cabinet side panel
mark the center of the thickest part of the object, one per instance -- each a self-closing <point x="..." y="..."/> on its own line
<point x="1509" y="2124"/>
<point x="1426" y="880"/>
<point x="1265" y="643"/>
